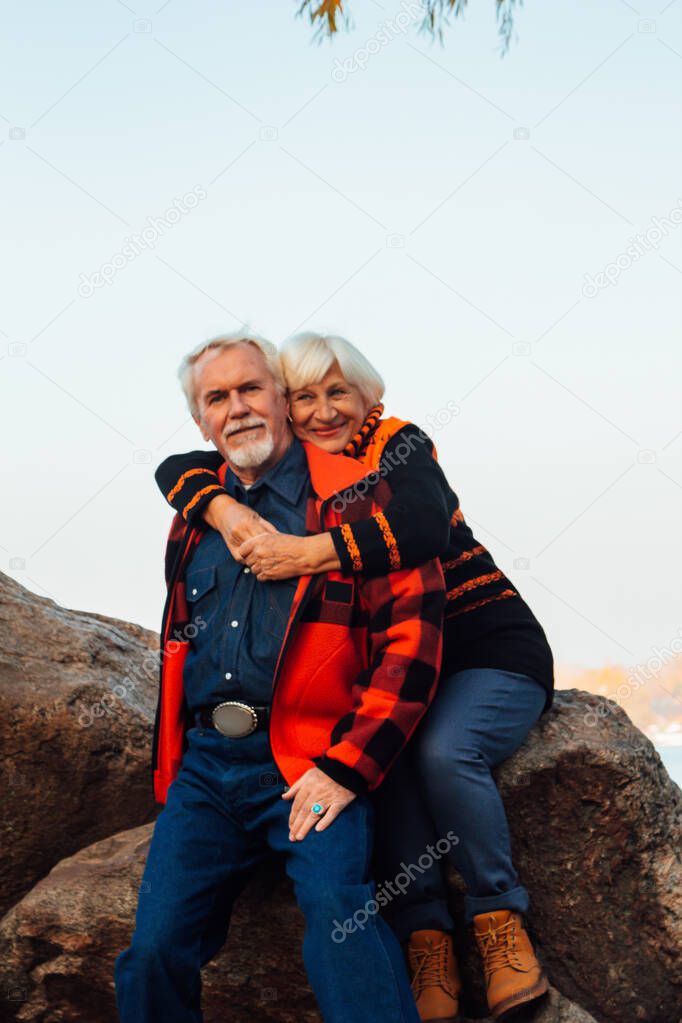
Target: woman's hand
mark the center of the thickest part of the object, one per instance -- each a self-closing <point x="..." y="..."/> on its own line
<point x="312" y="788"/>
<point x="275" y="557"/>
<point x="235" y="522"/>
<point x="283" y="556"/>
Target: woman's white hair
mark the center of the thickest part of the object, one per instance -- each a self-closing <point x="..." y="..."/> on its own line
<point x="306" y="358"/>
<point x="229" y="340"/>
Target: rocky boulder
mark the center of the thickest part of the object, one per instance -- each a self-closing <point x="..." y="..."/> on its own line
<point x="596" y="828"/>
<point x="596" y="831"/>
<point x="77" y="697"/>
<point x="60" y="942"/>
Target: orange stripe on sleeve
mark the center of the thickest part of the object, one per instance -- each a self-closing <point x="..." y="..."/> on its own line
<point x="352" y="547"/>
<point x="389" y="540"/>
<point x="479" y="603"/>
<point x="181" y="482"/>
<point x="465" y="556"/>
<point x="473" y="583"/>
<point x="197" y="497"/>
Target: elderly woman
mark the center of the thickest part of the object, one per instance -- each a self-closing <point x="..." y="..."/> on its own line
<point x="496" y="680"/>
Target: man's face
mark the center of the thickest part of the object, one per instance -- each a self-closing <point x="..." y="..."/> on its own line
<point x="240" y="408"/>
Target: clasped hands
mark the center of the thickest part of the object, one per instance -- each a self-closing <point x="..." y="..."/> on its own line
<point x="255" y="542"/>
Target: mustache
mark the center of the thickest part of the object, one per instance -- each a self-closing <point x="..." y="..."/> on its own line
<point x="244" y="424"/>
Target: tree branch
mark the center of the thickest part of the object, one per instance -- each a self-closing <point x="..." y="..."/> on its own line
<point x="327" y="15"/>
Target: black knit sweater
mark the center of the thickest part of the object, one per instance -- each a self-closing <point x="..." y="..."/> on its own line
<point x="487" y="622"/>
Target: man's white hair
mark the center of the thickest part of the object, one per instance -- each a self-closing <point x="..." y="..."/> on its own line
<point x="306" y="358"/>
<point x="229" y="340"/>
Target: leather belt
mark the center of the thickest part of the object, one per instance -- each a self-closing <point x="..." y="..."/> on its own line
<point x="233" y="718"/>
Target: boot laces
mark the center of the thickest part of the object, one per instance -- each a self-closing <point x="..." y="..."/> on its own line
<point x="430" y="968"/>
<point x="499" y="948"/>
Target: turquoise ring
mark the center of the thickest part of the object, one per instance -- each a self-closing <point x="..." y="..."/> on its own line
<point x="316" y="808"/>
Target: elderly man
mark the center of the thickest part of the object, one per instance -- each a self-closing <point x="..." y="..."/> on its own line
<point x="281" y="706"/>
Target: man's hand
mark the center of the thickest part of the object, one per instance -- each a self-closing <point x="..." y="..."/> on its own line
<point x="235" y="523"/>
<point x="315" y="787"/>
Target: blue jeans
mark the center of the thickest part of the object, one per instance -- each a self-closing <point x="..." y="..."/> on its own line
<point x="223" y="815"/>
<point x="442" y="784"/>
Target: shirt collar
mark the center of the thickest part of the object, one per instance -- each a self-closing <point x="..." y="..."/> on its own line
<point x="286" y="479"/>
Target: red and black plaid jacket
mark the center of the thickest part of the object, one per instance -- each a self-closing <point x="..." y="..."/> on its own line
<point x="359" y="661"/>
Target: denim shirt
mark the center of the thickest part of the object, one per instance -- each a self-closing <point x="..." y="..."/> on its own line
<point x="235" y="655"/>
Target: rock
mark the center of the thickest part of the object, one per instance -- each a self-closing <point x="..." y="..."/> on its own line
<point x="77" y="697"/>
<point x="596" y="829"/>
<point x="60" y="942"/>
<point x="552" y="1009"/>
<point x="597" y="832"/>
<point x="595" y="821"/>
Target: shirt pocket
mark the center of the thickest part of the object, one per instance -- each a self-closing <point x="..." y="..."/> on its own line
<point x="333" y="602"/>
<point x="201" y="593"/>
<point x="276" y="609"/>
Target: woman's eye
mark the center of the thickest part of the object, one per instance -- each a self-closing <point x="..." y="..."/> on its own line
<point x="303" y="397"/>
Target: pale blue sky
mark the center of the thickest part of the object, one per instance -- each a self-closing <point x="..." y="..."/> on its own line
<point x="439" y="206"/>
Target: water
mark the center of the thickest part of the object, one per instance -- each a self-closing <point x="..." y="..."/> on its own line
<point x="672" y="759"/>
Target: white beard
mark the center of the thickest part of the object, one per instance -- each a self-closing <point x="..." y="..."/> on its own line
<point x="251" y="454"/>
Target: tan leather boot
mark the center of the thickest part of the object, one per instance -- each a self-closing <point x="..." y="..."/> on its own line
<point x="435" y="977"/>
<point x="513" y="976"/>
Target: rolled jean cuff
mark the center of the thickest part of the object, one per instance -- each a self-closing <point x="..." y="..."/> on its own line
<point x="516" y="900"/>
<point x="433" y="915"/>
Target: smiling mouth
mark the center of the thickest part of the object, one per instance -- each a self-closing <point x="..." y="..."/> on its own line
<point x="328" y="430"/>
<point x="246" y="429"/>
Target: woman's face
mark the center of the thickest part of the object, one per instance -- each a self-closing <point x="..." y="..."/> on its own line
<point x="329" y="413"/>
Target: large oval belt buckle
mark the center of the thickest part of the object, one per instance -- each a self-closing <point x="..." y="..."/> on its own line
<point x="234" y="719"/>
